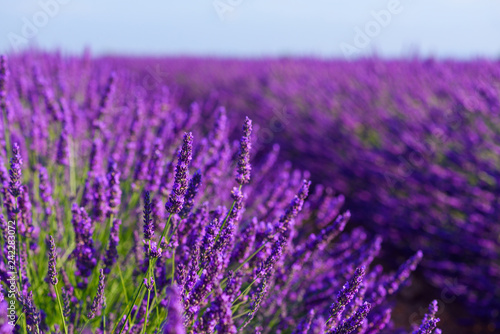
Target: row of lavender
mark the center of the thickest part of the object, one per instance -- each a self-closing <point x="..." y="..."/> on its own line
<point x="125" y="223"/>
<point x="414" y="145"/>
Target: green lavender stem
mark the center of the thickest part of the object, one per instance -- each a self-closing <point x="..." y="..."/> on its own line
<point x="61" y="309"/>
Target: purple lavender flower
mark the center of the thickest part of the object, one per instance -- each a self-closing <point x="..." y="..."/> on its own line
<point x="226" y="323"/>
<point x="345" y="296"/>
<point x="45" y="190"/>
<point x="349" y="325"/>
<point x="155" y="251"/>
<point x="204" y="284"/>
<point x="114" y="191"/>
<point x="62" y="156"/>
<point x="147" y="221"/>
<point x="99" y="197"/>
<point x="174" y="323"/>
<point x="95" y="158"/>
<point x="429" y="323"/>
<point x="52" y="271"/>
<point x="84" y="252"/>
<point x="149" y="284"/>
<point x="193" y="187"/>
<point x="66" y="303"/>
<point x="176" y="199"/>
<point x="295" y="206"/>
<point x="111" y="255"/>
<point x="244" y="167"/>
<point x="32" y="313"/>
<point x="15" y="172"/>
<point x="26" y="227"/>
<point x="99" y="297"/>
<point x="403" y="273"/>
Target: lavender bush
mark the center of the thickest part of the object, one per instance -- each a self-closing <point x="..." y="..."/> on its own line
<point x="412" y="144"/>
<point x="133" y="215"/>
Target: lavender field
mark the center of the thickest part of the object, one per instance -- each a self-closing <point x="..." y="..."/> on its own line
<point x="186" y="195"/>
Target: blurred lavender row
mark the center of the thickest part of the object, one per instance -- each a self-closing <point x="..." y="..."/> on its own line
<point x="413" y="145"/>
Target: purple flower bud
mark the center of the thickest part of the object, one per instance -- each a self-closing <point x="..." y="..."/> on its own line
<point x="393" y="284"/>
<point x="244" y="167"/>
<point x="349" y="325"/>
<point x="149" y="284"/>
<point x="62" y="157"/>
<point x="99" y="297"/>
<point x="15" y="172"/>
<point x="111" y="255"/>
<point x="114" y="191"/>
<point x="45" y="190"/>
<point x="66" y="303"/>
<point x="176" y="199"/>
<point x="295" y="206"/>
<point x="52" y="271"/>
<point x="429" y="323"/>
<point x="95" y="158"/>
<point x="193" y="187"/>
<point x="148" y="221"/>
<point x="155" y="251"/>
<point x="99" y="196"/>
<point x="32" y="314"/>
<point x="345" y="295"/>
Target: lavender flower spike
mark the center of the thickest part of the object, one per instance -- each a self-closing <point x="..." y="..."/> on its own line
<point x="15" y="171"/>
<point x="52" y="271"/>
<point x="99" y="297"/>
<point x="45" y="190"/>
<point x="114" y="192"/>
<point x="429" y="323"/>
<point x="345" y="296"/>
<point x="174" y="320"/>
<point x="148" y="221"/>
<point x="176" y="199"/>
<point x="403" y="272"/>
<point x="353" y="322"/>
<point x="112" y="253"/>
<point x="244" y="168"/>
<point x="194" y="186"/>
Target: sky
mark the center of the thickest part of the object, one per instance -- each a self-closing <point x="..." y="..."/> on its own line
<point x="255" y="28"/>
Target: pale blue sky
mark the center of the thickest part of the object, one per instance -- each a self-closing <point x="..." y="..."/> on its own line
<point x="444" y="28"/>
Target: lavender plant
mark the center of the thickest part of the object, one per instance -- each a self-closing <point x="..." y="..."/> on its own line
<point x="216" y="244"/>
